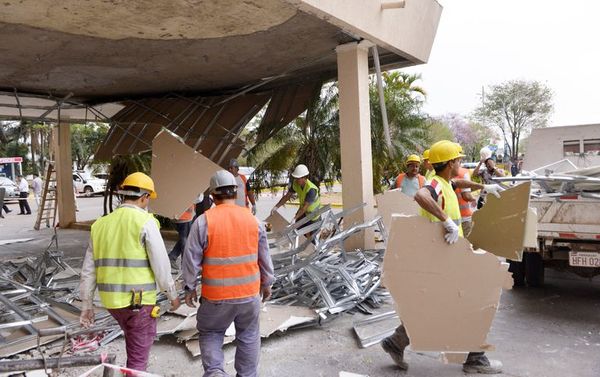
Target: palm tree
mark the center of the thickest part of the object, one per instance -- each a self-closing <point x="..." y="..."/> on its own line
<point x="403" y="100"/>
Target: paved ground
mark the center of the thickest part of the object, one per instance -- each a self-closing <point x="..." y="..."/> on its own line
<point x="553" y="331"/>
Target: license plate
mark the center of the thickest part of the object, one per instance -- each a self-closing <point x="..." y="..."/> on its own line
<point x="584" y="259"/>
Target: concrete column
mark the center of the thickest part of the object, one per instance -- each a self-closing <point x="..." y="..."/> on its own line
<point x="355" y="137"/>
<point x="63" y="164"/>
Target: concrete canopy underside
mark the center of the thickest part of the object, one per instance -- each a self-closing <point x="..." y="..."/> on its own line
<point x="108" y="51"/>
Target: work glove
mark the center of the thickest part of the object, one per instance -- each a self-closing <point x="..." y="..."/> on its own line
<point x="274" y="210"/>
<point x="86" y="318"/>
<point x="265" y="292"/>
<point x="493" y="189"/>
<point x="254" y="210"/>
<point x="451" y="235"/>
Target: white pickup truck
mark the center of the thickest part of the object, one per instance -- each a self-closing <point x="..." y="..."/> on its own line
<point x="568" y="238"/>
<point x="88" y="185"/>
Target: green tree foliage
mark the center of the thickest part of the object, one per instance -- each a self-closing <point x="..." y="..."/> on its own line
<point x="515" y="107"/>
<point x="403" y="100"/>
<point x="85" y="138"/>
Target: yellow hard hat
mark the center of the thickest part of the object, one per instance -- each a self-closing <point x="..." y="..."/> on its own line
<point x="142" y="181"/>
<point x="413" y="158"/>
<point x="426" y="154"/>
<point x="443" y="151"/>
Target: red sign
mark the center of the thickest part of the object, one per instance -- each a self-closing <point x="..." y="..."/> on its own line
<point x="10" y="160"/>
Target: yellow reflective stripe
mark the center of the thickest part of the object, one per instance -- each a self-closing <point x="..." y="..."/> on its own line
<point x="230" y="260"/>
<point x="228" y="282"/>
<point x="116" y="262"/>
<point x="105" y="287"/>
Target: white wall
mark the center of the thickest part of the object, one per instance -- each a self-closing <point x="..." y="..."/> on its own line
<point x="545" y="145"/>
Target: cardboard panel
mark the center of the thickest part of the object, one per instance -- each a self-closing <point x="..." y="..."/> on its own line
<point x="179" y="174"/>
<point x="499" y="227"/>
<point x="394" y="201"/>
<point x="446" y="295"/>
<point x="277" y="221"/>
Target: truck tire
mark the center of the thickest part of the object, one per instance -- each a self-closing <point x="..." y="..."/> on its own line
<point x="518" y="272"/>
<point x="534" y="269"/>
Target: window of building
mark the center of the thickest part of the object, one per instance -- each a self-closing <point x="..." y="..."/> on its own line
<point x="591" y="146"/>
<point x="571" y="148"/>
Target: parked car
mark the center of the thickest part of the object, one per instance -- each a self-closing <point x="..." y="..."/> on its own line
<point x="11" y="189"/>
<point x="88" y="185"/>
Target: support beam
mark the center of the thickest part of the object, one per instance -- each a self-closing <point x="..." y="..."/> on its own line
<point x="355" y="137"/>
<point x="61" y="145"/>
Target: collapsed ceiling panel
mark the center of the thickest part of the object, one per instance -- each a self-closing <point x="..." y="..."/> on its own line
<point x="211" y="125"/>
<point x="446" y="295"/>
<point x="173" y="162"/>
<point x="499" y="226"/>
<point x="395" y="202"/>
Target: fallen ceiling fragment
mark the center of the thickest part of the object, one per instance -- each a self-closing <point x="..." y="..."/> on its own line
<point x="179" y="175"/>
<point x="277" y="221"/>
<point x="394" y="201"/>
<point x="446" y="295"/>
<point x="499" y="227"/>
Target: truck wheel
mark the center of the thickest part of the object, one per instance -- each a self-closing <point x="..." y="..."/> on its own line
<point x="88" y="191"/>
<point x="534" y="269"/>
<point x="518" y="272"/>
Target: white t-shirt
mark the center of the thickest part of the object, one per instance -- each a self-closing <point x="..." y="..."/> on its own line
<point x="241" y="192"/>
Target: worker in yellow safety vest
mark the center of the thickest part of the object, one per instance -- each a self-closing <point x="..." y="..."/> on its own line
<point x="410" y="181"/>
<point x="126" y="259"/>
<point x="438" y="202"/>
<point x="308" y="195"/>
<point x="429" y="172"/>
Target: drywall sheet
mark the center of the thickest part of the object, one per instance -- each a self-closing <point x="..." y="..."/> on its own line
<point x="394" y="201"/>
<point x="530" y="239"/>
<point x="446" y="295"/>
<point x="499" y="227"/>
<point x="454" y="357"/>
<point x="179" y="174"/>
<point x="277" y="221"/>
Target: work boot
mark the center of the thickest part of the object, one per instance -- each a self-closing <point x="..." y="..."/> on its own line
<point x="396" y="353"/>
<point x="481" y="364"/>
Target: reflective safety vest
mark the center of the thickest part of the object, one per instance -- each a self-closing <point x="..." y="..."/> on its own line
<point x="446" y="200"/>
<point x="302" y="192"/>
<point x="120" y="258"/>
<point x="401" y="176"/>
<point x="429" y="174"/>
<point x="230" y="262"/>
<point x="466" y="211"/>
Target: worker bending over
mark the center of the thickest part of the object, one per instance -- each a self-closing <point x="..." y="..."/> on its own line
<point x="411" y="181"/>
<point x="438" y="202"/>
<point x="308" y="195"/>
<point x="125" y="258"/>
<point x="230" y="247"/>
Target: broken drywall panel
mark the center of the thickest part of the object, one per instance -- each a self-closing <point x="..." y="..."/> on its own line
<point x="281" y="317"/>
<point x="179" y="174"/>
<point x="394" y="201"/>
<point x="184" y="311"/>
<point x="446" y="295"/>
<point x="454" y="357"/>
<point x="499" y="227"/>
<point x="277" y="221"/>
<point x="193" y="345"/>
<point x="530" y="239"/>
<point x="170" y="324"/>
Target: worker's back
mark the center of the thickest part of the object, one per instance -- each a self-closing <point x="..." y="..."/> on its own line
<point x="230" y="262"/>
<point x="121" y="260"/>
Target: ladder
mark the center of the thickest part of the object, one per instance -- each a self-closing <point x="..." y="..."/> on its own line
<point x="47" y="211"/>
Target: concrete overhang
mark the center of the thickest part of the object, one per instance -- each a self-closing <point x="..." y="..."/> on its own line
<point x="99" y="51"/>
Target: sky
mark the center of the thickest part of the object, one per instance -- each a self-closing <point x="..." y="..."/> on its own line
<point x="485" y="42"/>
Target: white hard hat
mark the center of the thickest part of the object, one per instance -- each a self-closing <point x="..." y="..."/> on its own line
<point x="222" y="178"/>
<point x="300" y="171"/>
<point x="485" y="153"/>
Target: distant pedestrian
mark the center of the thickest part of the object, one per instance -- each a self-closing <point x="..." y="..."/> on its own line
<point x="23" y="195"/>
<point x="245" y="196"/>
<point x="37" y="185"/>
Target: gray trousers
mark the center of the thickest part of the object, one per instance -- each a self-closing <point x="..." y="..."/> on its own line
<point x="213" y="319"/>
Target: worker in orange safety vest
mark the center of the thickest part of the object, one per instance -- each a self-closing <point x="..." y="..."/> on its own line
<point x="411" y="181"/>
<point x="229" y="245"/>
